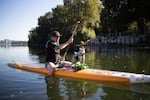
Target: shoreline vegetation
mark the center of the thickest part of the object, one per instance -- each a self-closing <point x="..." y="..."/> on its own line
<point x="113" y="23"/>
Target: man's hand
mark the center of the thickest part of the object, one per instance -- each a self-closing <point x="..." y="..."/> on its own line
<point x="62" y="58"/>
<point x="70" y="40"/>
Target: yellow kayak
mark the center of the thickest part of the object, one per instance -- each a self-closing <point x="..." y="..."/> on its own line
<point x="89" y="74"/>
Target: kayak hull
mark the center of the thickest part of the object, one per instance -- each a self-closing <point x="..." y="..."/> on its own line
<point x="90" y="74"/>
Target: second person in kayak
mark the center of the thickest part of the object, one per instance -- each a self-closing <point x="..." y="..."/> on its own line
<point x="53" y="58"/>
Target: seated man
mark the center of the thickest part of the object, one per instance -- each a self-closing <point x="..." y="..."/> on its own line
<point x="53" y="58"/>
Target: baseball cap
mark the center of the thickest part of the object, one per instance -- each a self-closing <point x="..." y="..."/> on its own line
<point x="55" y="34"/>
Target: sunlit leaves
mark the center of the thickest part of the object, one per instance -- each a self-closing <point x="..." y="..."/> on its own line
<point x="63" y="19"/>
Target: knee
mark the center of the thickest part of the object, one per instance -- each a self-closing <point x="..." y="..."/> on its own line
<point x="51" y="65"/>
<point x="51" y="68"/>
<point x="67" y="63"/>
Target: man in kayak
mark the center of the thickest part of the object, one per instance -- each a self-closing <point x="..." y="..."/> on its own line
<point x="53" y="58"/>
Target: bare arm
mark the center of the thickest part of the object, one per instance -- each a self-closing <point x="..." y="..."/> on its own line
<point x="62" y="46"/>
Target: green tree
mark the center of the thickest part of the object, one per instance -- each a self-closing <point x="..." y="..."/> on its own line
<point x="119" y="14"/>
<point x="39" y="35"/>
<point x="88" y="11"/>
<point x="63" y="18"/>
<point x="32" y="36"/>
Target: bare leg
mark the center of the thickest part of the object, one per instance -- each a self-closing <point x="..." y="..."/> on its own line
<point x="67" y="63"/>
<point x="51" y="67"/>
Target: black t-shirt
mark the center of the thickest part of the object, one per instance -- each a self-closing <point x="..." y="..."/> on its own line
<point x="51" y="51"/>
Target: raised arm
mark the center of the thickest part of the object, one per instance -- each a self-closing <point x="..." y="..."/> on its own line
<point x="63" y="45"/>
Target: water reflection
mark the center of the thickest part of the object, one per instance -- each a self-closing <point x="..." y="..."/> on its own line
<point x="118" y="94"/>
<point x="70" y="89"/>
<point x="64" y="89"/>
<point x="126" y="59"/>
<point x="53" y="88"/>
<point x="126" y="51"/>
<point x="40" y="52"/>
<point x="30" y="85"/>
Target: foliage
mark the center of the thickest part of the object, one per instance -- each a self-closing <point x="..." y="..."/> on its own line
<point x="38" y="36"/>
<point x="119" y="14"/>
<point x="148" y="27"/>
<point x="133" y="27"/>
<point x="63" y="18"/>
<point x="105" y="16"/>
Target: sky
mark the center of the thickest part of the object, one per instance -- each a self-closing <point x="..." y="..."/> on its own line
<point x="18" y="17"/>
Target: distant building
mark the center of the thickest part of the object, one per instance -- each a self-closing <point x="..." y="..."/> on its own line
<point x="118" y="38"/>
<point x="5" y="42"/>
<point x="13" y="43"/>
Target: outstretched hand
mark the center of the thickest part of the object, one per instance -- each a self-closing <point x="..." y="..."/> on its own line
<point x="70" y="40"/>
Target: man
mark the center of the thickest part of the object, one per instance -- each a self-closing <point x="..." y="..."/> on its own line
<point x="53" y="58"/>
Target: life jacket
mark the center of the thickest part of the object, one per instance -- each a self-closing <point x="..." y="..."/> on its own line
<point x="80" y="65"/>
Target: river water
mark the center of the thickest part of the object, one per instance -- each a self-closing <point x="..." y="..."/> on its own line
<point x="22" y="85"/>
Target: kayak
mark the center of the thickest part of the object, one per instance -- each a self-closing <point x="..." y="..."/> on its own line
<point x="89" y="74"/>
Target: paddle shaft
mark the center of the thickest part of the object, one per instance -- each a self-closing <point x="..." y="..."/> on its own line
<point x="73" y="34"/>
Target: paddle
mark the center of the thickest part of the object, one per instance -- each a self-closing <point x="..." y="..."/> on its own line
<point x="73" y="34"/>
<point x="75" y="29"/>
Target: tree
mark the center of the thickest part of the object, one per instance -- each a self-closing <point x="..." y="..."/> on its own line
<point x="63" y="18"/>
<point x="139" y="12"/>
<point x="119" y="14"/>
<point x="88" y="11"/>
<point x="39" y="35"/>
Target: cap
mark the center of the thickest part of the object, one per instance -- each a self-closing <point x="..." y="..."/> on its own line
<point x="55" y="34"/>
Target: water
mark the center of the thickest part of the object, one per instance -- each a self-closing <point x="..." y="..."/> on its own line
<point x="22" y="85"/>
